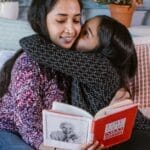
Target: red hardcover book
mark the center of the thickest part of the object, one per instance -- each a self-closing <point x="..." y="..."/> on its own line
<point x="116" y="127"/>
<point x="68" y="127"/>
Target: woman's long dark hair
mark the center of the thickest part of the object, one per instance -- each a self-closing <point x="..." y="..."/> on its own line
<point x="5" y="73"/>
<point x="117" y="45"/>
<point x="37" y="19"/>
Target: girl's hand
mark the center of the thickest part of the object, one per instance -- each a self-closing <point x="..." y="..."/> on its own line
<point x="92" y="146"/>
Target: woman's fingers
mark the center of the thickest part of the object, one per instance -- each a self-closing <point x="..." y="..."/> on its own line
<point x="94" y="146"/>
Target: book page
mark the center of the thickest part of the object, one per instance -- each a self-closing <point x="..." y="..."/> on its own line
<point x="114" y="108"/>
<point x="65" y="131"/>
<point x="70" y="109"/>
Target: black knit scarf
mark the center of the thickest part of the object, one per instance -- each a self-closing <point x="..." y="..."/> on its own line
<point x="90" y="97"/>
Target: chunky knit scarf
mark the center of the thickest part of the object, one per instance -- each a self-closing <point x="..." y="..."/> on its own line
<point x="94" y="79"/>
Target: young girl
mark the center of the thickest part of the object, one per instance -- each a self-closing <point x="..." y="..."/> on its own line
<point x="27" y="88"/>
<point x="89" y="91"/>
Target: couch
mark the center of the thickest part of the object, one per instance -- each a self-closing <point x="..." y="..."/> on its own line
<point x="10" y="33"/>
<point x="12" y="30"/>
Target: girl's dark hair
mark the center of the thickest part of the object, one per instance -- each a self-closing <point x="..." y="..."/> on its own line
<point x="37" y="15"/>
<point x="117" y="45"/>
<point x="37" y="19"/>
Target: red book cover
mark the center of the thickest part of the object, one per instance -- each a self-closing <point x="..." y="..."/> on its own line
<point x="115" y="128"/>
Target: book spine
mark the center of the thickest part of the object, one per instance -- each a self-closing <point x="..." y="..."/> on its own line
<point x="92" y="131"/>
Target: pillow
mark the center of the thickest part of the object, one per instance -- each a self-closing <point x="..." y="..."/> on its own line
<point x="140" y="86"/>
<point x="11" y="31"/>
<point x="141" y="40"/>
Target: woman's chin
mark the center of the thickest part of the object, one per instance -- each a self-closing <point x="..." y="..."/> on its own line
<point x="66" y="46"/>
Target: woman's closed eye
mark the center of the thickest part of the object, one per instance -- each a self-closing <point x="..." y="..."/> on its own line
<point x="63" y="21"/>
<point x="76" y="21"/>
<point x="60" y="21"/>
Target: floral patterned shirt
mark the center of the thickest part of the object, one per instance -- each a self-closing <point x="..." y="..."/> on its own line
<point x="30" y="91"/>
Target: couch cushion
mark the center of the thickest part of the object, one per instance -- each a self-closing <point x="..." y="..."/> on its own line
<point x="4" y="56"/>
<point x="140" y="30"/>
<point x="141" y="83"/>
<point x="140" y="86"/>
<point x="11" y="31"/>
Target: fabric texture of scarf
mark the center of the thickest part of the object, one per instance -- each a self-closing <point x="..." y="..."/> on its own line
<point x="94" y="79"/>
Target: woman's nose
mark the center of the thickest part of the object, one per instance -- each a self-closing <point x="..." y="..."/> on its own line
<point x="69" y="29"/>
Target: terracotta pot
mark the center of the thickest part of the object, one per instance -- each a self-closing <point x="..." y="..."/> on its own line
<point x="122" y="13"/>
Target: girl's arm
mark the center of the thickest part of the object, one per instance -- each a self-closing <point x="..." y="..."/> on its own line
<point x="90" y="67"/>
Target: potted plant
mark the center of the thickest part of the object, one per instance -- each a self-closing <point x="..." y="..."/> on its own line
<point x="9" y="9"/>
<point x="121" y="10"/>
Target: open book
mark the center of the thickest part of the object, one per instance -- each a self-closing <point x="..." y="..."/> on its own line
<point x="66" y="126"/>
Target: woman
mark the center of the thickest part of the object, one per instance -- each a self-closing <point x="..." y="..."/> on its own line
<point x="26" y="88"/>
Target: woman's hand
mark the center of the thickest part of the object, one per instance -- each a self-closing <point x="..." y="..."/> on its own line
<point x="93" y="146"/>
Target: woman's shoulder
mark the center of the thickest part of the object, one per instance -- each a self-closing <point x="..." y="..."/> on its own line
<point x="25" y="63"/>
<point x="25" y="59"/>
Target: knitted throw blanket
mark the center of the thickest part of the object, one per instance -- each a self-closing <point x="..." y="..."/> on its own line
<point x="94" y="79"/>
